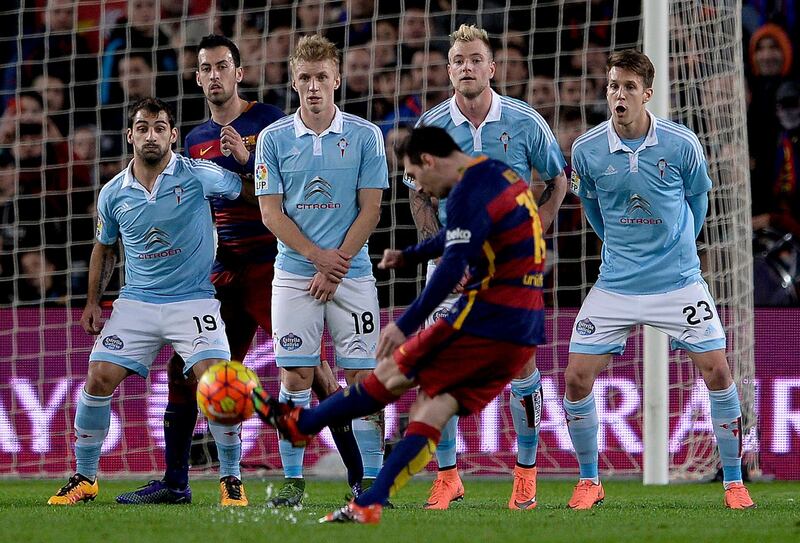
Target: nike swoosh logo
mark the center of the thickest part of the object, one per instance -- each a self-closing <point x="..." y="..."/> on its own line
<point x="204" y="151"/>
<point x="525" y="505"/>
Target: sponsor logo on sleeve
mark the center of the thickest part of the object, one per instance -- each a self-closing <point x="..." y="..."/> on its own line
<point x="261" y="177"/>
<point x="585" y="327"/>
<point x="575" y="181"/>
<point x="99" y="229"/>
<point x="113" y="343"/>
<point x="457" y="235"/>
<point x="291" y="342"/>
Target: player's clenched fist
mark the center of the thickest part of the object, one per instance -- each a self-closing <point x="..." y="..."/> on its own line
<point x="92" y="319"/>
<point x="392" y="258"/>
<point x="230" y="143"/>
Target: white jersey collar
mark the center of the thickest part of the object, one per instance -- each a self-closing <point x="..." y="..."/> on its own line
<point x="337" y="125"/>
<point x="495" y="110"/>
<point x="131" y="181"/>
<point x="615" y="143"/>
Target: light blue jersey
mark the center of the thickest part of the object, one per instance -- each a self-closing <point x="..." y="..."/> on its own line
<point x="319" y="178"/>
<point x="649" y="245"/>
<point x="168" y="234"/>
<point x="513" y="132"/>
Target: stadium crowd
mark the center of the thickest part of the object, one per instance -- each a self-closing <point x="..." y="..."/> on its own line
<point x="68" y="71"/>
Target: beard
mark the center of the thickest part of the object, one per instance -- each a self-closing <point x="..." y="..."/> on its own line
<point x="471" y="93"/>
<point x="219" y="98"/>
<point x="151" y="156"/>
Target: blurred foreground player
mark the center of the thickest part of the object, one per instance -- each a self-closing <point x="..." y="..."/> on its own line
<point x="465" y="359"/>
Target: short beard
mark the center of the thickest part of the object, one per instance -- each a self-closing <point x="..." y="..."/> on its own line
<point x="151" y="159"/>
<point x="219" y="99"/>
<point x="472" y="95"/>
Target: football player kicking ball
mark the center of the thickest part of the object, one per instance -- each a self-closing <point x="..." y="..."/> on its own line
<point x="159" y="207"/>
<point x="242" y="275"/>
<point x="644" y="185"/>
<point x="466" y="358"/>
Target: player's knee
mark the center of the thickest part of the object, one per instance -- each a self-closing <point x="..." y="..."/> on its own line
<point x="578" y="382"/>
<point x="103" y="378"/>
<point x="297" y="378"/>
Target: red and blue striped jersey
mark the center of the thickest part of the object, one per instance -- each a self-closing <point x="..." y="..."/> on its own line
<point x="242" y="237"/>
<point x="493" y="229"/>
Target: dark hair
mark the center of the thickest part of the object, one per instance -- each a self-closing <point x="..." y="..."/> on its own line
<point x="634" y="61"/>
<point x="426" y="139"/>
<point x="567" y="114"/>
<point x="215" y="40"/>
<point x="151" y="105"/>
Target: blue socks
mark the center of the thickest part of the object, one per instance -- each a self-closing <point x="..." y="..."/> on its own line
<point x="526" y="412"/>
<point x="583" y="424"/>
<point x="179" y="423"/>
<point x="446" y="451"/>
<point x="347" y="446"/>
<point x="229" y="447"/>
<point x="369" y="432"/>
<point x="92" y="420"/>
<point x="726" y="416"/>
<point x="292" y="457"/>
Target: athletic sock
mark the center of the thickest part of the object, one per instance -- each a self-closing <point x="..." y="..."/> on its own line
<point x="526" y="409"/>
<point x="408" y="457"/>
<point x="292" y="457"/>
<point x="92" y="420"/>
<point x="582" y="423"/>
<point x="726" y="416"/>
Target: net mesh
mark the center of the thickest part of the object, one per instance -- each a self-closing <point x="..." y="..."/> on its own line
<point x="90" y="60"/>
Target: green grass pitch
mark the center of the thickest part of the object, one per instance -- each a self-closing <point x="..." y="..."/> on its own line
<point x="632" y="512"/>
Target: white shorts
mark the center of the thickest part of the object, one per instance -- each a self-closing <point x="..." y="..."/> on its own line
<point x="445" y="306"/>
<point x="353" y="319"/>
<point x="687" y="315"/>
<point x="136" y="331"/>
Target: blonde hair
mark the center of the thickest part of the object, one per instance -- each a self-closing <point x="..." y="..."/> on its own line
<point x="314" y="48"/>
<point x="468" y="33"/>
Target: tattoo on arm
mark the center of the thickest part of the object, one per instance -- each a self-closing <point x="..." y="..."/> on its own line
<point x="107" y="264"/>
<point x="424" y="214"/>
<point x="550" y="186"/>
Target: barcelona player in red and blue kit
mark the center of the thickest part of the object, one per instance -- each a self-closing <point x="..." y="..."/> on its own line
<point x="241" y="274"/>
<point x="466" y="359"/>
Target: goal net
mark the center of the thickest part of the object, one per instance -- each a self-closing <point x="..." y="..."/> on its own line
<point x="85" y="63"/>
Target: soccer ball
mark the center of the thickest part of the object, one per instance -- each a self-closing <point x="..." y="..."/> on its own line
<point x="223" y="392"/>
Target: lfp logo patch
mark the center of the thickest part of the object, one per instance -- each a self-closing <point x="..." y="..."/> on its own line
<point x="113" y="343"/>
<point x="291" y="342"/>
<point x="261" y="177"/>
<point x="585" y="327"/>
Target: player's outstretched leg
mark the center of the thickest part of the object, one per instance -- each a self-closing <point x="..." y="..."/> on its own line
<point x="447" y="488"/>
<point x="180" y="418"/>
<point x="526" y="409"/>
<point x="409" y="457"/>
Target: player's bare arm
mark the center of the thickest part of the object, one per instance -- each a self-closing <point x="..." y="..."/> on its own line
<point x="334" y="263"/>
<point x="231" y="142"/>
<point x="551" y="199"/>
<point x="423" y="211"/>
<point x="101" y="268"/>
<point x="369" y="212"/>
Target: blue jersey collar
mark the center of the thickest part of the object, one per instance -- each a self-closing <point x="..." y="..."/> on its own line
<point x="337" y="125"/>
<point x="615" y="143"/>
